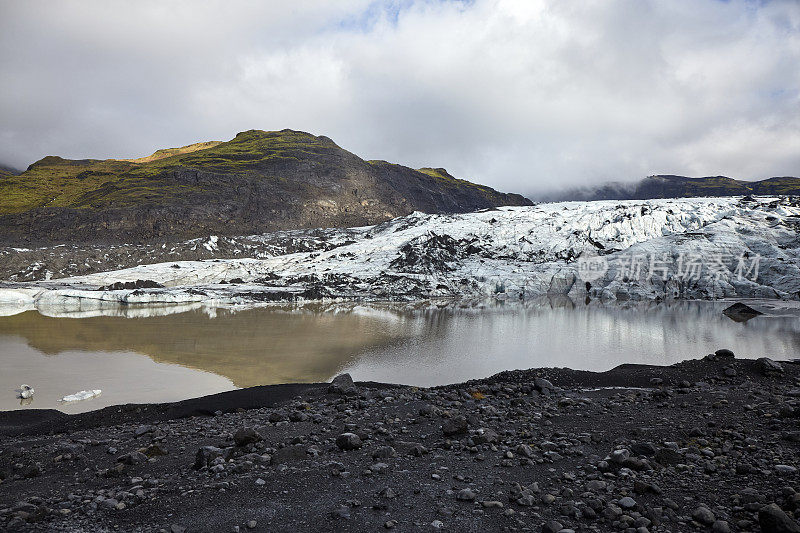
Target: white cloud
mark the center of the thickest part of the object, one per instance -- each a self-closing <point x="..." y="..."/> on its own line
<point x="522" y="95"/>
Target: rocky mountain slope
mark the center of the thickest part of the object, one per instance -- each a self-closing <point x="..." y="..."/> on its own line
<point x="686" y="248"/>
<point x="679" y="187"/>
<point x="259" y="181"/>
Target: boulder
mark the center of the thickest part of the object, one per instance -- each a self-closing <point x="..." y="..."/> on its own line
<point x="485" y="436"/>
<point x="768" y="367"/>
<point x="288" y="454"/>
<point x="703" y="515"/>
<point x="206" y="455"/>
<point x="740" y="312"/>
<point x="245" y="436"/>
<point x="542" y="385"/>
<point x="772" y="519"/>
<point x="668" y="457"/>
<point x="342" y="384"/>
<point x="348" y="441"/>
<point x="454" y="426"/>
<point x="384" y="452"/>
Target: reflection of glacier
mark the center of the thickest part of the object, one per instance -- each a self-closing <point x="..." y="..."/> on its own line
<point x="250" y="346"/>
<point x="504" y="253"/>
<point x="461" y="344"/>
<point x="123" y="311"/>
<point x="420" y="343"/>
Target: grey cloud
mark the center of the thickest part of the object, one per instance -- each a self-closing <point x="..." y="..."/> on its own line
<point x="523" y="95"/>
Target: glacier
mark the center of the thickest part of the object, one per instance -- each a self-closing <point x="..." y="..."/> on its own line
<point x="698" y="248"/>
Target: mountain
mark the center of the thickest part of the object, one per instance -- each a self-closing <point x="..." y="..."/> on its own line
<point x="668" y="186"/>
<point x="259" y="181"/>
<point x="8" y="171"/>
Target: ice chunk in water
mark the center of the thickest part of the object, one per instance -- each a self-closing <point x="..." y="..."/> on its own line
<point x="82" y="395"/>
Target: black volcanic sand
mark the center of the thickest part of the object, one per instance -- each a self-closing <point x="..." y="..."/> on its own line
<point x="703" y="445"/>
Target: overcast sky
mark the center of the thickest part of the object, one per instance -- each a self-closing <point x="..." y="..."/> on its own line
<point x="523" y="95"/>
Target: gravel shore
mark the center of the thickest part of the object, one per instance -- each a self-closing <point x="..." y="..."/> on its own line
<point x="710" y="444"/>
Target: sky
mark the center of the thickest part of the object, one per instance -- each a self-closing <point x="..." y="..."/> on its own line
<point x="523" y="95"/>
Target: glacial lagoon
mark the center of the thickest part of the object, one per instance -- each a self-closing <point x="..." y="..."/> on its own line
<point x="158" y="354"/>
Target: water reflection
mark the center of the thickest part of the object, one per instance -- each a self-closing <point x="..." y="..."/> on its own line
<point x="468" y="343"/>
<point x="421" y="344"/>
<point x="124" y="377"/>
<point x="250" y="347"/>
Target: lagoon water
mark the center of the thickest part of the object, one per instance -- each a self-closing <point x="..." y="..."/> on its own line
<point x="158" y="354"/>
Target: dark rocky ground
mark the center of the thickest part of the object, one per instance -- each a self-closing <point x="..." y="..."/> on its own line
<point x="36" y="264"/>
<point x="704" y="445"/>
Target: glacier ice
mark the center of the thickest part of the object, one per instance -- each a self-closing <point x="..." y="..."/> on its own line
<point x="510" y="252"/>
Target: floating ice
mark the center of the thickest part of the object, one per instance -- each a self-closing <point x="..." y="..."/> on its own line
<point x="82" y="395"/>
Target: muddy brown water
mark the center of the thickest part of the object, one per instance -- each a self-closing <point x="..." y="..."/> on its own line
<point x="145" y="355"/>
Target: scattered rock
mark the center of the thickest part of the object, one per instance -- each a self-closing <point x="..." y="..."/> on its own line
<point x="343" y="384"/>
<point x="348" y="441"/>
<point x="245" y="436"/>
<point x="143" y="430"/>
<point x="384" y="452"/>
<point x="607" y="459"/>
<point x="543" y="385"/>
<point x="454" y="426"/>
<point x="132" y="458"/>
<point x="155" y="450"/>
<point x="552" y="527"/>
<point x="289" y="454"/>
<point x="703" y="515"/>
<point x="485" y="436"/>
<point x="768" y="367"/>
<point x="205" y="456"/>
<point x="720" y="526"/>
<point x="466" y="495"/>
<point x="627" y="503"/>
<point x="772" y="519"/>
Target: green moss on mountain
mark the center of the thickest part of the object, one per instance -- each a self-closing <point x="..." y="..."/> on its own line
<point x="169" y="152"/>
<point x="250" y="151"/>
<point x="258" y="181"/>
<point x="91" y="183"/>
<point x="781" y="186"/>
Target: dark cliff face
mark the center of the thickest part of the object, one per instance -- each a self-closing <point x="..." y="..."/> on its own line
<point x="259" y="181"/>
<point x="680" y="187"/>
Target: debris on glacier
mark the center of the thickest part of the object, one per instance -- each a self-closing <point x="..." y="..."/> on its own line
<point x="697" y="248"/>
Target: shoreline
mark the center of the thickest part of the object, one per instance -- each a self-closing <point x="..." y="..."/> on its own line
<point x="678" y="445"/>
<point x="14" y="422"/>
